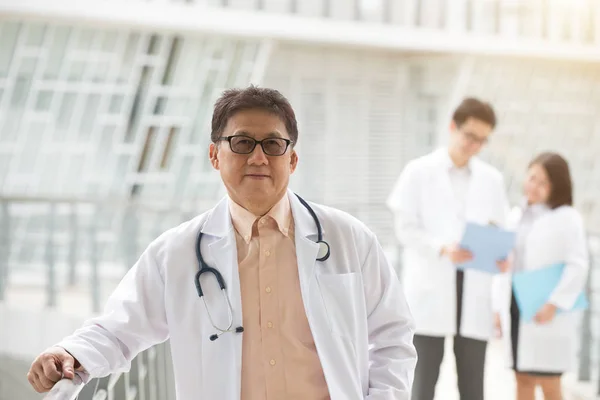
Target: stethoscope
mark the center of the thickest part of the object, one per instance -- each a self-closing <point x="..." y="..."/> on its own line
<point x="322" y="255"/>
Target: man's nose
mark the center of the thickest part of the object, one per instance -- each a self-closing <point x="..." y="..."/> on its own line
<point x="258" y="156"/>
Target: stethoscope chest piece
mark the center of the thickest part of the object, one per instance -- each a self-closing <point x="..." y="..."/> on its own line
<point x="324" y="251"/>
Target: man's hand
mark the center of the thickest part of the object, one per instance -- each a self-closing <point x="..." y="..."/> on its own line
<point x="503" y="265"/>
<point x="546" y="314"/>
<point x="50" y="367"/>
<point x="456" y="254"/>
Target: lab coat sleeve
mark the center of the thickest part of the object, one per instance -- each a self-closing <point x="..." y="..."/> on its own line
<point x="575" y="274"/>
<point x="134" y="319"/>
<point x="404" y="201"/>
<point x="501" y="283"/>
<point x="392" y="355"/>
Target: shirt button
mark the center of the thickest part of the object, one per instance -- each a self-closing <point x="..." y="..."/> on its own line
<point x="268" y="289"/>
<point x="267" y="253"/>
<point x="269" y="324"/>
<point x="272" y="362"/>
<point x="246" y="238"/>
<point x="263" y="221"/>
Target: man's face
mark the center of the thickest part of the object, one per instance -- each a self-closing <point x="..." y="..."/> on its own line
<point x="468" y="139"/>
<point x="256" y="181"/>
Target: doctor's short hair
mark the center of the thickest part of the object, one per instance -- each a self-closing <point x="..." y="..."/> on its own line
<point x="557" y="169"/>
<point x="474" y="108"/>
<point x="252" y="97"/>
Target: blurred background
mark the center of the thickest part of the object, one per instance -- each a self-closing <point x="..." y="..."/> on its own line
<point x="105" y="110"/>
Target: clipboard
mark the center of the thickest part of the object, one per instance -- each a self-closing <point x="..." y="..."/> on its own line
<point x="489" y="244"/>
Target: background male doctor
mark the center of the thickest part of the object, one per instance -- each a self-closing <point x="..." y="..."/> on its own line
<point x="434" y="196"/>
<point x="336" y="329"/>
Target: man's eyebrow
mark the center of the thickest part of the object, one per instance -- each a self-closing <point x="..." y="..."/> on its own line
<point x="274" y="134"/>
<point x="242" y="132"/>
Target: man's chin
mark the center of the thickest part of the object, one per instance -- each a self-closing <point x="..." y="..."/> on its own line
<point x="258" y="190"/>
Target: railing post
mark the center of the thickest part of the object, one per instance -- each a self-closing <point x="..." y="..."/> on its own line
<point x="399" y="259"/>
<point x="4" y="246"/>
<point x="67" y="389"/>
<point x="170" y="377"/>
<point x="73" y="245"/>
<point x="94" y="279"/>
<point x="152" y="378"/>
<point x="585" y="357"/>
<point x="137" y="376"/>
<point x="161" y="372"/>
<point x="50" y="260"/>
<point x="594" y="255"/>
<point x="130" y="236"/>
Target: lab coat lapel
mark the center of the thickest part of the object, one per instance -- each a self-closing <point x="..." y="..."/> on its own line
<point x="306" y="246"/>
<point x="442" y="179"/>
<point x="222" y="251"/>
<point x="478" y="197"/>
<point x="222" y="358"/>
<point x="309" y="270"/>
<point x="474" y="194"/>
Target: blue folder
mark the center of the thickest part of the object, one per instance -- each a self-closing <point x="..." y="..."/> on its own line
<point x="533" y="289"/>
<point x="488" y="243"/>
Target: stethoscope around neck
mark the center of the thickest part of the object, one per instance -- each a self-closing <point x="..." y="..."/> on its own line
<point x="322" y="255"/>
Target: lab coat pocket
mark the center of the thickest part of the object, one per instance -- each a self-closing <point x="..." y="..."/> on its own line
<point x="341" y="294"/>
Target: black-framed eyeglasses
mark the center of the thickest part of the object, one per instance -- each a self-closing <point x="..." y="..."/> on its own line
<point x="242" y="144"/>
<point x="473" y="138"/>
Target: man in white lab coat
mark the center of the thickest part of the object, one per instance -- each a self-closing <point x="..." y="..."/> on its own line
<point x="433" y="199"/>
<point x="308" y="320"/>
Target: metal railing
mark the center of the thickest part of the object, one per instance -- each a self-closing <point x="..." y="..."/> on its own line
<point x="589" y="343"/>
<point x="118" y="236"/>
<point x="63" y="238"/>
<point x="68" y="389"/>
<point x="150" y="378"/>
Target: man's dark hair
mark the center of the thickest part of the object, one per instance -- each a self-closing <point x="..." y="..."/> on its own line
<point x="557" y="169"/>
<point x="252" y="97"/>
<point x="474" y="108"/>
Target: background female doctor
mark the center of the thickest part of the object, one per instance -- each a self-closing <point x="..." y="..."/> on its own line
<point x="549" y="231"/>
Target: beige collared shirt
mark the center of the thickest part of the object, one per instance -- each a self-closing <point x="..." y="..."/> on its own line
<point x="279" y="357"/>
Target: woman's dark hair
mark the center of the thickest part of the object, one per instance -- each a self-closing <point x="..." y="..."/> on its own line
<point x="474" y="108"/>
<point x="252" y="97"/>
<point x="557" y="169"/>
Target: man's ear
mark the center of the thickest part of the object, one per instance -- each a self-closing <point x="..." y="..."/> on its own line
<point x="213" y="155"/>
<point x="293" y="161"/>
<point x="453" y="126"/>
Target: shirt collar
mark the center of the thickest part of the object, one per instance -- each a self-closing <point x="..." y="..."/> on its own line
<point x="535" y="209"/>
<point x="243" y="220"/>
<point x="449" y="164"/>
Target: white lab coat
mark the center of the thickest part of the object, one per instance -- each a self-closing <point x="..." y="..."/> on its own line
<point x="355" y="306"/>
<point x="426" y="219"/>
<point x="558" y="236"/>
